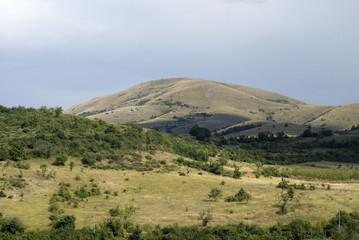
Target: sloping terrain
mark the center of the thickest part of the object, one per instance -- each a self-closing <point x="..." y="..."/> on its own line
<point x="56" y="165"/>
<point x="341" y="118"/>
<point x="175" y="105"/>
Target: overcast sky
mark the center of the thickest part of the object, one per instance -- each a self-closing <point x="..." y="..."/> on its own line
<point x="63" y="52"/>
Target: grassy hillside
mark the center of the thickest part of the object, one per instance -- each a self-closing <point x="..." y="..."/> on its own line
<point x="44" y="152"/>
<point x="47" y="133"/>
<point x="175" y="105"/>
<point x="348" y="114"/>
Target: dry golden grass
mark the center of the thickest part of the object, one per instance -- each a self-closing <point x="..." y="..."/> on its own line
<point x="167" y="198"/>
<point x="341" y="118"/>
<point x="161" y="100"/>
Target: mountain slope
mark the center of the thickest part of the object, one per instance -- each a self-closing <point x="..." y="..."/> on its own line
<point x="339" y="118"/>
<point x="175" y="105"/>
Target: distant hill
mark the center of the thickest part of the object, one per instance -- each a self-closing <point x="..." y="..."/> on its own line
<point x="175" y="105"/>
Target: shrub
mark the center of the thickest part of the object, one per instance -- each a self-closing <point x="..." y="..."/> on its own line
<point x="89" y="159"/>
<point x="66" y="221"/>
<point x="114" y="212"/>
<point x="72" y="165"/>
<point x="200" y="133"/>
<point x="22" y="165"/>
<point x="240" y="196"/>
<point x="11" y="225"/>
<point x="82" y="193"/>
<point x="60" y="160"/>
<point x="2" y="194"/>
<point x="270" y="172"/>
<point x="215" y="193"/>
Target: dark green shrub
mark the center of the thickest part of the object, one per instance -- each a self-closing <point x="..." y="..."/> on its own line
<point x="60" y="160"/>
<point x="89" y="159"/>
<point x="2" y="194"/>
<point x="114" y="212"/>
<point x="82" y="193"/>
<point x="200" y="133"/>
<point x="66" y="221"/>
<point x="240" y="196"/>
<point x="11" y="225"/>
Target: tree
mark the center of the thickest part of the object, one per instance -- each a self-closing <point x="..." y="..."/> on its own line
<point x="58" y="111"/>
<point x="265" y="135"/>
<point x="200" y="133"/>
<point x="17" y="152"/>
<point x="236" y="173"/>
<point x="215" y="193"/>
<point x="285" y="198"/>
<point x="72" y="165"/>
<point x="309" y="133"/>
<point x="4" y="153"/>
<point x="259" y="165"/>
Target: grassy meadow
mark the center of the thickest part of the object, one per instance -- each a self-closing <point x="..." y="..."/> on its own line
<point x="164" y="198"/>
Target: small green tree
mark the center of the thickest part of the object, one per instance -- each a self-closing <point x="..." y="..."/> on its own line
<point x="285" y="198"/>
<point x="58" y="111"/>
<point x="72" y="165"/>
<point x="215" y="193"/>
<point x="259" y="165"/>
<point x="236" y="173"/>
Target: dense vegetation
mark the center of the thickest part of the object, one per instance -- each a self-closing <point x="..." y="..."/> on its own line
<point x="118" y="228"/>
<point x="27" y="133"/>
<point x="47" y="133"/>
<point x="278" y="149"/>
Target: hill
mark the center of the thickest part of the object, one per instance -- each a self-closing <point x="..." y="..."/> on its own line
<point x="175" y="105"/>
<point x="55" y="165"/>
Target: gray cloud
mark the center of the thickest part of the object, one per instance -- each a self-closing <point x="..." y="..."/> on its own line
<point x="66" y="51"/>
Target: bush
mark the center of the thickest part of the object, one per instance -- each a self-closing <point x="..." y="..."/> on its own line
<point x="270" y="172"/>
<point x="82" y="193"/>
<point x="89" y="159"/>
<point x="11" y="225"/>
<point x="240" y="196"/>
<point x="22" y="165"/>
<point x="114" y="212"/>
<point x="2" y="194"/>
<point x="60" y="160"/>
<point x="215" y="193"/>
<point x="200" y="133"/>
<point x="66" y="221"/>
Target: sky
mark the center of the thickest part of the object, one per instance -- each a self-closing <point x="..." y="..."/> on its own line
<point x="59" y="53"/>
